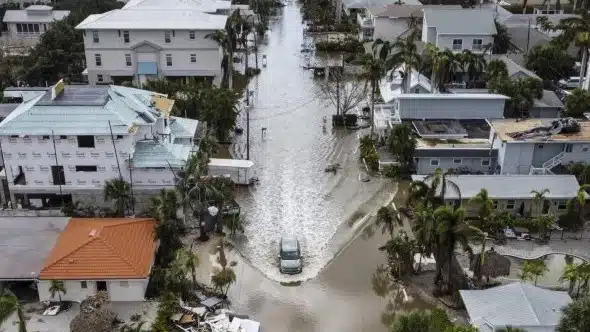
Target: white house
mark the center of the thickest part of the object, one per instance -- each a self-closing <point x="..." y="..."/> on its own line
<point x="68" y="141"/>
<point x="101" y="254"/>
<point x="536" y="146"/>
<point x="27" y="25"/>
<point x="155" y="38"/>
<point x="458" y="30"/>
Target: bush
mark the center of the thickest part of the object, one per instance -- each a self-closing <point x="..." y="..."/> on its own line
<point x="348" y="45"/>
<point x="348" y="120"/>
<point x="252" y="72"/>
<point x="342" y="27"/>
<point x="372" y="160"/>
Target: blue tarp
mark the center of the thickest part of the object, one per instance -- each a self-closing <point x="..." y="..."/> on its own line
<point x="147" y="68"/>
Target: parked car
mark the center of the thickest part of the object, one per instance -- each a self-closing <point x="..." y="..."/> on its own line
<point x="570" y="83"/>
<point x="290" y="256"/>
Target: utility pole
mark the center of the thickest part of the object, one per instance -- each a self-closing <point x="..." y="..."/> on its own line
<point x="528" y="38"/>
<point x="337" y="94"/>
<point x="247" y="124"/>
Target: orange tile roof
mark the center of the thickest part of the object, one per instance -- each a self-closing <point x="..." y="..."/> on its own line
<point x="102" y="248"/>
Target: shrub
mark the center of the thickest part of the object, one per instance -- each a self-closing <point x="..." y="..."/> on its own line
<point x="348" y="45"/>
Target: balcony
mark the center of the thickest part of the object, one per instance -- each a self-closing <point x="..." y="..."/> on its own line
<point x="365" y="21"/>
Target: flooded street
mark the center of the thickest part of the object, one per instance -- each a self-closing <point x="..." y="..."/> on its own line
<point x="295" y="195"/>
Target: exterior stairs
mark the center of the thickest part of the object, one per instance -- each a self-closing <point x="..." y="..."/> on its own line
<point x="548" y="165"/>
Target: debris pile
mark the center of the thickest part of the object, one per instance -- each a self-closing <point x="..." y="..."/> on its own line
<point x="559" y="126"/>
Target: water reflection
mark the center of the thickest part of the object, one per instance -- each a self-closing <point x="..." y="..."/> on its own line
<point x="555" y="263"/>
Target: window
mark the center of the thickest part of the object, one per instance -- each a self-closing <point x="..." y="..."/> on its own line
<point x="98" y="60"/>
<point x="562" y="205"/>
<point x="25" y="29"/>
<point x="477" y="44"/>
<point x="124" y="283"/>
<point x="95" y="38"/>
<point x="495" y="203"/>
<point x="13" y="136"/>
<point x="85" y="168"/>
<point x="485" y="162"/>
<point x="119" y="136"/>
<point x="83" y="284"/>
<point x="191" y="35"/>
<point x="510" y="204"/>
<point x="126" y="36"/>
<point x="57" y="175"/>
<point x="569" y="147"/>
<point x="44" y="27"/>
<point x="417" y="90"/>
<point x="85" y="141"/>
<point x="19" y="28"/>
<point x="193" y="58"/>
<point x="167" y="37"/>
<point x="46" y="137"/>
<point x="584" y="149"/>
<point x="457" y="44"/>
<point x="457" y="161"/>
<point x="128" y="60"/>
<point x="540" y="146"/>
<point x="99" y="78"/>
<point x="168" y="60"/>
<point x="434" y="162"/>
<point x="63" y="137"/>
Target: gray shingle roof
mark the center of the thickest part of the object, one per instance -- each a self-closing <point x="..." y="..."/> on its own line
<point x="461" y="22"/>
<point x="516" y="304"/>
<point x="512" y="186"/>
<point x="549" y="99"/>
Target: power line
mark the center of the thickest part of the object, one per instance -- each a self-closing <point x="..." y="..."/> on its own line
<point x="286" y="112"/>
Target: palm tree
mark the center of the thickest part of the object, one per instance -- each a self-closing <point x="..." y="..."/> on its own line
<point x="486" y="208"/>
<point x="222" y="39"/>
<point x="224" y="277"/>
<point x="575" y="316"/>
<point x="571" y="274"/>
<point x="576" y="30"/>
<point x="539" y="197"/>
<point x="496" y="69"/>
<point x="483" y="237"/>
<point x="424" y="228"/>
<point x="8" y="305"/>
<point x="502" y="41"/>
<point x="442" y="65"/>
<point x="451" y="229"/>
<point x="533" y="269"/>
<point x="404" y="52"/>
<point x="543" y="224"/>
<point x="164" y="206"/>
<point x="190" y="262"/>
<point x="579" y="202"/>
<point x="169" y="229"/>
<point x="57" y="286"/>
<point x="119" y="191"/>
<point x="440" y="179"/>
<point x="137" y="328"/>
<point x="374" y="69"/>
<point x="402" y="145"/>
<point x="387" y="219"/>
<point x="400" y="255"/>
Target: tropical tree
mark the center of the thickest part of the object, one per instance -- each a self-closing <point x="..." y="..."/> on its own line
<point x="543" y="224"/>
<point x="374" y="68"/>
<point x="425" y="230"/>
<point x="118" y="191"/>
<point x="501" y="39"/>
<point x="522" y="93"/>
<point x="577" y="204"/>
<point x="571" y="274"/>
<point x="221" y="37"/>
<point x="225" y="276"/>
<point x="136" y="328"/>
<point x="422" y="321"/>
<point x="8" y="305"/>
<point x="189" y="261"/>
<point x="511" y="329"/>
<point x="577" y="103"/>
<point x="440" y="182"/>
<point x="403" y="52"/>
<point x="400" y="255"/>
<point x="549" y="61"/>
<point x="451" y="230"/>
<point x="57" y="287"/>
<point x="576" y="317"/>
<point x="164" y="206"/>
<point x="471" y="64"/>
<point x="496" y="70"/>
<point x="443" y="62"/>
<point x="169" y="229"/>
<point x="402" y="144"/>
<point x="387" y="219"/>
<point x="576" y="30"/>
<point x="485" y="212"/>
<point x="539" y="199"/>
<point x="533" y="269"/>
<point x="235" y="223"/>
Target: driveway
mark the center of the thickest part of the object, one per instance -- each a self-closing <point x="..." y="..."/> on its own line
<point x="58" y="323"/>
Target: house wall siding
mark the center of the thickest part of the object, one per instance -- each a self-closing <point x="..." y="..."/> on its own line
<point x="446" y="41"/>
<point x="516" y="158"/>
<point x="545" y="112"/>
<point x="423" y="166"/>
<point x="389" y="28"/>
<point x="545" y="151"/>
<point x="135" y="291"/>
<point x="530" y="207"/>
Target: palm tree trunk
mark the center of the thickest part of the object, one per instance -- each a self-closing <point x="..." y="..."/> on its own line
<point x="570" y="290"/>
<point x="230" y="65"/>
<point x="256" y="48"/>
<point x="450" y="252"/>
<point x="373" y="87"/>
<point x="584" y="64"/>
<point x="21" y="319"/>
<point x="536" y="277"/>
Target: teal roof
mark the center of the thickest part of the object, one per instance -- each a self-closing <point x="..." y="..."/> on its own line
<point x="183" y="127"/>
<point x="82" y="110"/>
<point x="154" y="153"/>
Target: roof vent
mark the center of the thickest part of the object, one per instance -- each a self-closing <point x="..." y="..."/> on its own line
<point x="92" y="232"/>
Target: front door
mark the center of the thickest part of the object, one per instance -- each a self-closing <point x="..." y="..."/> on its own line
<point x="101" y="286"/>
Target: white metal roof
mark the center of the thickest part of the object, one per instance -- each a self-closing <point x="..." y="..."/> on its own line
<point x="154" y="19"/>
<point x="238" y="163"/>
<point x="390" y="86"/>
<point x="202" y="5"/>
<point x="460" y="22"/>
<point x="34" y="16"/>
<point x="517" y="304"/>
<point x="510" y="186"/>
<point x="451" y="96"/>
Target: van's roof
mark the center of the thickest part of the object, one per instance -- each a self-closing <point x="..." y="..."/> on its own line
<point x="289" y="243"/>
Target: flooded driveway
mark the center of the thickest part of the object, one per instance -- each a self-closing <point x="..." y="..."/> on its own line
<point x="295" y="195"/>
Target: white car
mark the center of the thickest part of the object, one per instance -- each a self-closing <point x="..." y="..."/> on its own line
<point x="570" y="83"/>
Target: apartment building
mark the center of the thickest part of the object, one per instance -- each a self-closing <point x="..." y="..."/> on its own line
<point x="65" y="143"/>
<point x="537" y="146"/>
<point x="458" y="30"/>
<point x="27" y="25"/>
<point x="155" y="38"/>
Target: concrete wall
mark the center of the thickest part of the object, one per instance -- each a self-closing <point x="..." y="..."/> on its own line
<point x="118" y="290"/>
<point x="447" y="108"/>
<point x="446" y="41"/>
<point x="112" y="48"/>
<point x="423" y="166"/>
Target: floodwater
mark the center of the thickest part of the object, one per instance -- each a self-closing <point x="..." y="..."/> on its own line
<point x="556" y="265"/>
<point x="291" y="142"/>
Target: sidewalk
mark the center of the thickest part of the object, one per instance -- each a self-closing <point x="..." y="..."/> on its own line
<point x="570" y="245"/>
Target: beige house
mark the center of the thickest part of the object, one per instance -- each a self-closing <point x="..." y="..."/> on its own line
<point x="512" y="193"/>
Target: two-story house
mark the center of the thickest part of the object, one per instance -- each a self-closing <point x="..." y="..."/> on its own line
<point x="154" y="38"/>
<point x="27" y="25"/>
<point x="65" y="143"/>
<point x="458" y="30"/>
<point x="536" y="146"/>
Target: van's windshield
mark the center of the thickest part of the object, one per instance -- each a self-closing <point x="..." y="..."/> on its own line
<point x="289" y="255"/>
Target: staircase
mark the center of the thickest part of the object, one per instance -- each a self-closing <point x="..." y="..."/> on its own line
<point x="556" y="160"/>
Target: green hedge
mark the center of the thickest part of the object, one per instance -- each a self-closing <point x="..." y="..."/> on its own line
<point x="349" y="46"/>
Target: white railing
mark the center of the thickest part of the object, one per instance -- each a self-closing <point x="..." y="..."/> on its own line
<point x="549" y="164"/>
